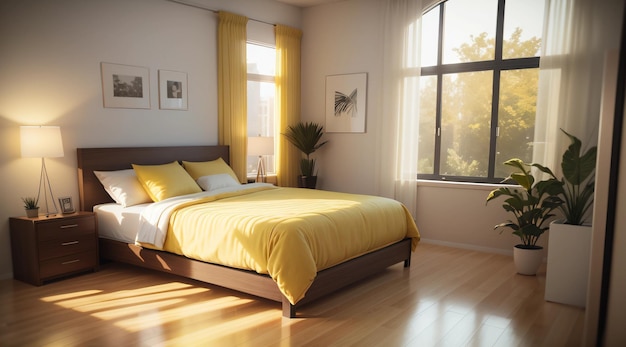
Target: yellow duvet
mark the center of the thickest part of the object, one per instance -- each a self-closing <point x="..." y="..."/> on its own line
<point x="288" y="233"/>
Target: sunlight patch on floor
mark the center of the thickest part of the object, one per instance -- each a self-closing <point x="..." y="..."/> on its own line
<point x="145" y="308"/>
<point x="147" y="318"/>
<point x="72" y="295"/>
<point x="75" y="299"/>
<point x="132" y="301"/>
<point x="227" y="330"/>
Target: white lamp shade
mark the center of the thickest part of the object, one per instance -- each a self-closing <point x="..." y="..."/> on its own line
<point x="260" y="145"/>
<point x="41" y="141"/>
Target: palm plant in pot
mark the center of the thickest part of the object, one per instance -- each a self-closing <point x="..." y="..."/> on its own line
<point x="569" y="245"/>
<point x="532" y="206"/>
<point x="306" y="137"/>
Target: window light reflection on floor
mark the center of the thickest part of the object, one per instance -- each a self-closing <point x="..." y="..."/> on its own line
<point x="141" y="320"/>
<point x="213" y="333"/>
<point x="145" y="308"/>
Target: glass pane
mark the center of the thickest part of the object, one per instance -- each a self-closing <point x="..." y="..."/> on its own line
<point x="469" y="30"/>
<point x="430" y="37"/>
<point x="261" y="96"/>
<point x="426" y="140"/>
<point x="261" y="59"/>
<point x="523" y="25"/>
<point x="466" y="115"/>
<point x="518" y="100"/>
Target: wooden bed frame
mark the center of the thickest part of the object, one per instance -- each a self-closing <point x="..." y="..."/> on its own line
<point x="117" y="158"/>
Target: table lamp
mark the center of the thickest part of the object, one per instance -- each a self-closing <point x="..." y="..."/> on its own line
<point x="260" y="145"/>
<point x="42" y="142"/>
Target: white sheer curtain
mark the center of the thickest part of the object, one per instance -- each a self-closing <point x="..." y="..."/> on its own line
<point x="577" y="35"/>
<point x="399" y="124"/>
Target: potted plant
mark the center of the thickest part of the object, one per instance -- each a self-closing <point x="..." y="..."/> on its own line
<point x="532" y="207"/>
<point x="306" y="137"/>
<point x="569" y="243"/>
<point x="31" y="205"/>
<point x="578" y="181"/>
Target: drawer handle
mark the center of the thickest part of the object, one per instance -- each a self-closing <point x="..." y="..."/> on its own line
<point x="69" y="243"/>
<point x="69" y="226"/>
<point x="70" y="261"/>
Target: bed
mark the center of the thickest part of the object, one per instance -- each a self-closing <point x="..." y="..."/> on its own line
<point x="113" y="247"/>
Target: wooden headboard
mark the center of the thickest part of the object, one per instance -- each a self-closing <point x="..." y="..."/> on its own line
<point x="91" y="192"/>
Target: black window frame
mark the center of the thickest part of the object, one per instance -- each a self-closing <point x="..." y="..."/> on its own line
<point x="497" y="66"/>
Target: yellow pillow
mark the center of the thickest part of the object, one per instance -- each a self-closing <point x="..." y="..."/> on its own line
<point x="206" y="168"/>
<point x="165" y="181"/>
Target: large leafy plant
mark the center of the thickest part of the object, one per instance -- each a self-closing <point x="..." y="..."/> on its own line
<point x="306" y="137"/>
<point x="532" y="205"/>
<point x="578" y="181"/>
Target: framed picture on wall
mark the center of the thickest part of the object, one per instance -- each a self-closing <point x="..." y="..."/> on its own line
<point x="346" y="99"/>
<point x="125" y="86"/>
<point x="172" y="90"/>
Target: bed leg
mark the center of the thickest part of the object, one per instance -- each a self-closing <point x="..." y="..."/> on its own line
<point x="289" y="310"/>
<point x="407" y="261"/>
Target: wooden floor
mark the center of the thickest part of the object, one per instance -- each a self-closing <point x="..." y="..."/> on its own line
<point x="449" y="297"/>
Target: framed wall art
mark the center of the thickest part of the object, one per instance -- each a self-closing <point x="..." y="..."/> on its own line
<point x="346" y="100"/>
<point x="125" y="86"/>
<point x="172" y="90"/>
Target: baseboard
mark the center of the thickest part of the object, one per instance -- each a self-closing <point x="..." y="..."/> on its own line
<point x="469" y="247"/>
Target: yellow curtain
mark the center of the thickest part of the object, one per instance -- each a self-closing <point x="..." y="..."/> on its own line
<point x="288" y="101"/>
<point x="232" y="82"/>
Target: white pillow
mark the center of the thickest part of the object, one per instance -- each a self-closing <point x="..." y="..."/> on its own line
<point x="212" y="182"/>
<point x="123" y="187"/>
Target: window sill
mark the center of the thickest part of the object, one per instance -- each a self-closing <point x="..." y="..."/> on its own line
<point x="268" y="178"/>
<point x="462" y="185"/>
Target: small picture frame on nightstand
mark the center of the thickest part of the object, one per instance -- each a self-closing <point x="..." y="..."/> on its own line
<point x="65" y="202"/>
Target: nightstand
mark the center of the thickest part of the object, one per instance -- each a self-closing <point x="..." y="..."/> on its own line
<point x="46" y="248"/>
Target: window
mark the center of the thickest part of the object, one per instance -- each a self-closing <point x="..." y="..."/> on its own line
<point x="478" y="87"/>
<point x="261" y="95"/>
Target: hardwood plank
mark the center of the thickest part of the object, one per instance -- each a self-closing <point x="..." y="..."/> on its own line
<point x="449" y="297"/>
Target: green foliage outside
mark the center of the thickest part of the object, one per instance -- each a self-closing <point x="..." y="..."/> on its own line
<point x="466" y="111"/>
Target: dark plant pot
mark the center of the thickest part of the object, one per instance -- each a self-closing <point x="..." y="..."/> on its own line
<point x="307" y="182"/>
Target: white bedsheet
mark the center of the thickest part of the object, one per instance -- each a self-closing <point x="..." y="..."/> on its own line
<point x="118" y="223"/>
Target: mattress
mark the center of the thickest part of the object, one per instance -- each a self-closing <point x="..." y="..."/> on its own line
<point x="118" y="223"/>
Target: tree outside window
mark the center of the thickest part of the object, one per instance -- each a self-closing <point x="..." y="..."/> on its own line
<point x="478" y="97"/>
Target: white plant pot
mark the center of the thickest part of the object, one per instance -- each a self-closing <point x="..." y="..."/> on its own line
<point x="569" y="247"/>
<point x="527" y="261"/>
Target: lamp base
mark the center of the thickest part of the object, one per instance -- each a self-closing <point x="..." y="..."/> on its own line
<point x="45" y="182"/>
<point x="260" y="171"/>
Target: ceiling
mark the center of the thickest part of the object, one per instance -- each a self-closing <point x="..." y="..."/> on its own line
<point x="307" y="3"/>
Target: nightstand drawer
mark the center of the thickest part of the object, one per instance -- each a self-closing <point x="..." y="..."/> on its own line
<point x="48" y="247"/>
<point x="67" y="245"/>
<point x="67" y="264"/>
<point x="62" y="228"/>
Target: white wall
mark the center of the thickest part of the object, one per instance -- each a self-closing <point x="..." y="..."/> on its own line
<point x="50" y="55"/>
<point x="343" y="38"/>
<point x="346" y="37"/>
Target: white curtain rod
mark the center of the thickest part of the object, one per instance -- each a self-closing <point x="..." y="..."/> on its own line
<point x="180" y="2"/>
